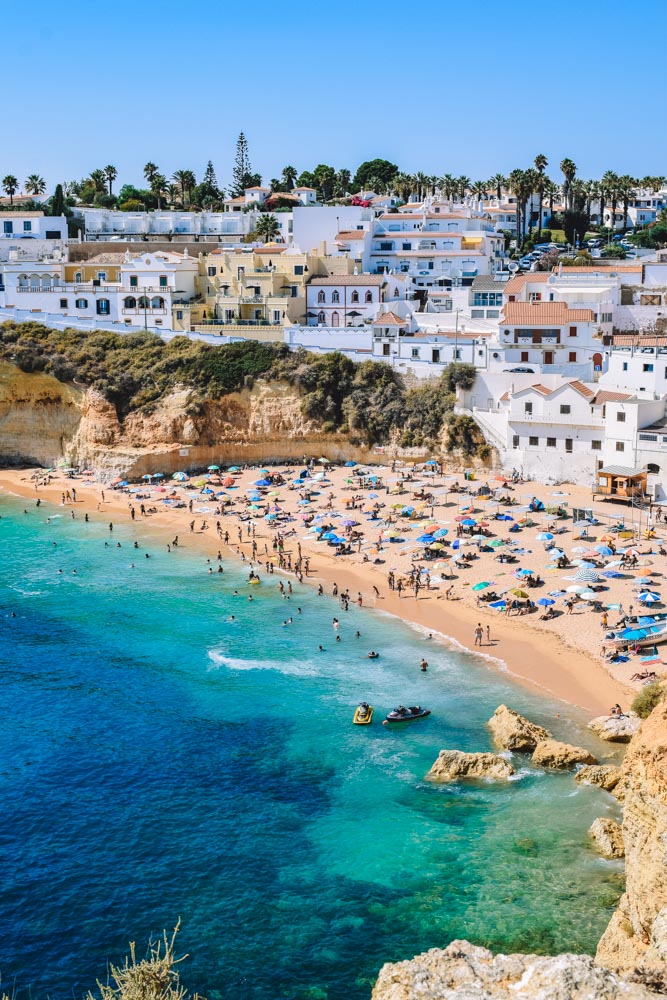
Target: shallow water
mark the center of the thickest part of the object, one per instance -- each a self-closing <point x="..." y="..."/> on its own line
<point x="160" y="761"/>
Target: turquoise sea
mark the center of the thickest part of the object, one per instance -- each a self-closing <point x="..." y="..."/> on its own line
<point x="158" y="761"/>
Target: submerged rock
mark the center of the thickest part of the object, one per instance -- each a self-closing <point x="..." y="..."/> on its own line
<point x="603" y="775"/>
<point x="465" y="972"/>
<point x="512" y="731"/>
<point x="608" y="837"/>
<point x="554" y="754"/>
<point x="453" y="764"/>
<point x="616" y="728"/>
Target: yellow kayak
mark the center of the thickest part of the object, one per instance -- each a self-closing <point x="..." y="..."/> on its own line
<point x="363" y="714"/>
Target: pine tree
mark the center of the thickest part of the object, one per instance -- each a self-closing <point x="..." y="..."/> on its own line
<point x="242" y="169"/>
<point x="209" y="176"/>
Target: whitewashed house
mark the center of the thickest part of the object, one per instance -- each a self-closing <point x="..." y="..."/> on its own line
<point x="343" y="300"/>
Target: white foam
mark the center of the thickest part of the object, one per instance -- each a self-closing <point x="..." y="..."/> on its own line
<point x="298" y="668"/>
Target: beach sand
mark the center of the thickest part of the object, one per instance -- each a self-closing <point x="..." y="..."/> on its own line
<point x="561" y="657"/>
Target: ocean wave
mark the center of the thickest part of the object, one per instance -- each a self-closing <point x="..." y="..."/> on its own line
<point x="297" y="668"/>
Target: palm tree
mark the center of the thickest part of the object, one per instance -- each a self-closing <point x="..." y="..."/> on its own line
<point x="626" y="191"/>
<point x="110" y="174"/>
<point x="267" y="227"/>
<point x="498" y="181"/>
<point x="550" y="192"/>
<point x="35" y="184"/>
<point x="98" y="179"/>
<point x="10" y="186"/>
<point x="180" y="179"/>
<point x="592" y="194"/>
<point x="190" y="183"/>
<point x="420" y="184"/>
<point x="402" y="185"/>
<point x="532" y="183"/>
<point x="479" y="190"/>
<point x="158" y="187"/>
<point x="289" y="177"/>
<point x="569" y="169"/>
<point x="541" y="164"/>
<point x="462" y="184"/>
<point x="610" y="183"/>
<point x="150" y="170"/>
<point x="343" y="178"/>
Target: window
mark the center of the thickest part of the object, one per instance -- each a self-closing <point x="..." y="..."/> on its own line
<point x="298" y="269"/>
<point x="369" y="296"/>
<point x="551" y="442"/>
<point x="568" y="446"/>
<point x="648" y="437"/>
<point x="620" y="446"/>
<point x="625" y="367"/>
<point x="477" y="313"/>
<point x="653" y="469"/>
<point x="63" y="303"/>
<point x="103" y="307"/>
<point x="335" y="295"/>
<point x="606" y="318"/>
<point x="163" y="281"/>
<point x="321" y="317"/>
<point x="354" y="297"/>
<point x="295" y="291"/>
<point x="385" y="350"/>
<point x="8" y="227"/>
<point x="77" y="277"/>
<point x="596" y="445"/>
<point x="209" y="270"/>
<point x="130" y="302"/>
<point x="81" y="303"/>
<point x="27" y="226"/>
<point x="535" y="297"/>
<point x="179" y="314"/>
<point x="527" y="407"/>
<point x="565" y="408"/>
<point x="134" y="281"/>
<point x="573" y="331"/>
<point x="414" y="353"/>
<point x="101" y="275"/>
<point x="321" y="297"/>
<point x="515" y="440"/>
<point x="620" y="416"/>
<point x="647" y="368"/>
<point x="524" y="355"/>
<point x="572" y="356"/>
<point x="386" y="246"/>
<point x="487" y="299"/>
<point x="157" y="302"/>
<point x="534" y="442"/>
<point x="406" y="246"/>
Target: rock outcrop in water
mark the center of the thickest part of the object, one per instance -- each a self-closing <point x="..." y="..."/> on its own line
<point x="636" y="938"/>
<point x="616" y="728"/>
<point x="560" y="756"/>
<point x="512" y="731"/>
<point x="454" y="764"/>
<point x="603" y="775"/>
<point x="607" y="836"/>
<point x="464" y="972"/>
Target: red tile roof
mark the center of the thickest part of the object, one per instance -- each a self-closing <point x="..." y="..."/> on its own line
<point x="389" y="319"/>
<point x="544" y="314"/>
<point x="607" y="396"/>
<point x="516" y="284"/>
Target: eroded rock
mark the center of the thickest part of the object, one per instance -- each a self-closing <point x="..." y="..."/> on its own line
<point x="603" y="775"/>
<point x="616" y="728"/>
<point x="512" y="731"/>
<point x="454" y="764"/>
<point x="560" y="756"/>
<point x="607" y="837"/>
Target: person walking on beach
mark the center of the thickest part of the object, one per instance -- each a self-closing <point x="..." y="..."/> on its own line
<point x="479" y="632"/>
<point x="488" y="634"/>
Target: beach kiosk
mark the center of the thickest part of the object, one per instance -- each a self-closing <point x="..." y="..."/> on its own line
<point x="621" y="483"/>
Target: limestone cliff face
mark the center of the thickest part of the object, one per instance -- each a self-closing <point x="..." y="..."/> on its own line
<point x="43" y="420"/>
<point x="38" y="417"/>
<point x="636" y="937"/>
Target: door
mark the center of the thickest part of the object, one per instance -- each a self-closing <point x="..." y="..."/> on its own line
<point x="548" y="357"/>
<point x="436" y="356"/>
<point x="568" y="445"/>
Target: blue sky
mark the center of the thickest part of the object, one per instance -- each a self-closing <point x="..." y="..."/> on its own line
<point x="451" y="87"/>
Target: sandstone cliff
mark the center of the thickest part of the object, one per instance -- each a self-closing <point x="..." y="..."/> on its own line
<point x="43" y="421"/>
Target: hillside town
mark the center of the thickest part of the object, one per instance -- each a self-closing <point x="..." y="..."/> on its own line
<point x="568" y="337"/>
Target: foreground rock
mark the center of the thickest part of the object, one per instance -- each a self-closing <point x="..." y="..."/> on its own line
<point x="465" y="972"/>
<point x="512" y="732"/>
<point x="607" y="837"/>
<point x="560" y="756"/>
<point x="603" y="775"/>
<point x="616" y="728"/>
<point x="636" y="938"/>
<point x="454" y="764"/>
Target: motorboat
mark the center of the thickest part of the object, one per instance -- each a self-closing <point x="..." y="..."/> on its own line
<point x="640" y="635"/>
<point x="403" y="714"/>
<point x="363" y="714"/>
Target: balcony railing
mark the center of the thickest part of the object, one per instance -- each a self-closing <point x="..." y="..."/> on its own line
<point x="149" y="311"/>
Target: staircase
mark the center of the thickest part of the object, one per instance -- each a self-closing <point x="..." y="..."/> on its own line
<point x="485" y="422"/>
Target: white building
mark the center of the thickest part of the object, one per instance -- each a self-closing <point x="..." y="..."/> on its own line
<point x="343" y="300"/>
<point x="15" y="226"/>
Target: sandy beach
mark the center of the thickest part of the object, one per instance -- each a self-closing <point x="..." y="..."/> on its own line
<point x="560" y="656"/>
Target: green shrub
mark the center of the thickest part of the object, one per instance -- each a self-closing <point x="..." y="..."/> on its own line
<point x="646" y="700"/>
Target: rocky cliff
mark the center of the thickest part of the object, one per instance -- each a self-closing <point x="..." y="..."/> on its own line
<point x="636" y="938"/>
<point x="43" y="421"/>
<point x="631" y="960"/>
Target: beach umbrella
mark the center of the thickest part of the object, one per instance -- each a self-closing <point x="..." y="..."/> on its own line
<point x="588" y="595"/>
<point x="545" y="602"/>
<point x="469" y="522"/>
<point x="425" y="538"/>
<point x="262" y="482"/>
<point x="544" y="536"/>
<point x="482" y="585"/>
<point x="228" y="481"/>
<point x="440" y="532"/>
<point x="351" y="524"/>
<point x="180" y="477"/>
<point x="634" y="633"/>
<point x="323" y="461"/>
<point x="649" y="598"/>
<point x="575" y="589"/>
<point x="587" y="575"/>
<point x="612" y="575"/>
<point x="644" y="581"/>
<point x="158" y="475"/>
<point x="496" y="542"/>
<point x="304" y="503"/>
<point x="437" y="546"/>
<point x="233" y="468"/>
<point x="147" y="476"/>
<point x="214" y="468"/>
<point x="614" y="564"/>
<point x="498" y="605"/>
<point x="580" y="548"/>
<point x="556" y="553"/>
<point x="604" y="550"/>
<point x="525" y="572"/>
<point x="456" y="543"/>
<point x="583" y="564"/>
<point x="207" y="490"/>
<point x="350" y="465"/>
<point x="122" y="482"/>
<point x="519" y="593"/>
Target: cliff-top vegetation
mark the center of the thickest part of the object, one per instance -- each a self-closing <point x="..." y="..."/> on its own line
<point x="367" y="400"/>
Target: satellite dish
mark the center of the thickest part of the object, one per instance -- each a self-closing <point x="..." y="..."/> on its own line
<point x="513" y="266"/>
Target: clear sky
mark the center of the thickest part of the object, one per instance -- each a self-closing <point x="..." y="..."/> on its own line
<point x="453" y="87"/>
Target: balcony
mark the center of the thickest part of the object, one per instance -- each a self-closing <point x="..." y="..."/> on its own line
<point x="258" y="299"/>
<point x="148" y="311"/>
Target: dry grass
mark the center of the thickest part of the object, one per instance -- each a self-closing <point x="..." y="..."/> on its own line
<point x="152" y="978"/>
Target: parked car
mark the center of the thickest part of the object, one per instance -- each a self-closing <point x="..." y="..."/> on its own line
<point x="519" y="371"/>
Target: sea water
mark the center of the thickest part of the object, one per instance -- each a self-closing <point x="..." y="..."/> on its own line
<point x="159" y="761"/>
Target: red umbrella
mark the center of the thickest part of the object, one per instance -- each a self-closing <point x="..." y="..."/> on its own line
<point x="228" y="481"/>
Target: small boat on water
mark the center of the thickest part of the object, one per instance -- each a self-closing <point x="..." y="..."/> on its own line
<point x="641" y="635"/>
<point x="403" y="714"/>
<point x="363" y="714"/>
